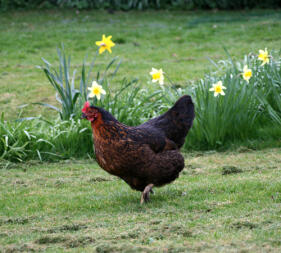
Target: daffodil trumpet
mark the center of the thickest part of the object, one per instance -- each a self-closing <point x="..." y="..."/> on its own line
<point x="96" y="90"/>
<point x="157" y="76"/>
<point x="247" y="73"/>
<point x="105" y="44"/>
<point x="218" y="89"/>
<point x="263" y="56"/>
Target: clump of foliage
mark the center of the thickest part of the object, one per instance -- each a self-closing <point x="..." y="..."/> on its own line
<point x="246" y="107"/>
<point x="40" y="139"/>
<point x="140" y="4"/>
<point x="242" y="112"/>
<point x="130" y="104"/>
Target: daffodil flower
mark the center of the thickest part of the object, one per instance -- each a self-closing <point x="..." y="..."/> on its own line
<point x="247" y="73"/>
<point x="218" y="89"/>
<point x="105" y="44"/>
<point x="263" y="56"/>
<point x="96" y="90"/>
<point x="157" y="76"/>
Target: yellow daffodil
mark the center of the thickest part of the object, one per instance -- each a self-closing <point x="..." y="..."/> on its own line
<point x="157" y="76"/>
<point x="96" y="90"/>
<point x="247" y="73"/>
<point x="218" y="88"/>
<point x="105" y="44"/>
<point x="263" y="56"/>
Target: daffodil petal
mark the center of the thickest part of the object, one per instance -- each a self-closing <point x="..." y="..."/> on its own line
<point x="101" y="50"/>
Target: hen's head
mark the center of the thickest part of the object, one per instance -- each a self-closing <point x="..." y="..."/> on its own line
<point x="94" y="114"/>
<point x="89" y="112"/>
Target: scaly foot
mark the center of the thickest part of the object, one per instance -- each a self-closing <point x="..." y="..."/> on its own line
<point x="146" y="192"/>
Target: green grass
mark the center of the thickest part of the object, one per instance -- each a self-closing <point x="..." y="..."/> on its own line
<point x="226" y="202"/>
<point x="178" y="42"/>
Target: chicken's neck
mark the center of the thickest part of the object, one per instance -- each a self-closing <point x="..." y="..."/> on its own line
<point x="107" y="129"/>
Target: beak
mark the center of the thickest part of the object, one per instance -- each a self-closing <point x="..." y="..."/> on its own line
<point x="83" y="116"/>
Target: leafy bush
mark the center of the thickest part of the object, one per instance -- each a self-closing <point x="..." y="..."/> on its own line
<point x="130" y="103"/>
<point x="40" y="139"/>
<point x="66" y="93"/>
<point x="243" y="111"/>
<point x="247" y="111"/>
<point x="224" y="118"/>
<point x="267" y="81"/>
<point x="140" y="4"/>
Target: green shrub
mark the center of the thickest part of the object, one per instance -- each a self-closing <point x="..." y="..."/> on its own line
<point x="68" y="95"/>
<point x="64" y="84"/>
<point x="245" y="109"/>
<point x="248" y="111"/>
<point x="43" y="140"/>
<point x="223" y="118"/>
<point x="268" y="84"/>
<point x="130" y="103"/>
<point x="140" y="4"/>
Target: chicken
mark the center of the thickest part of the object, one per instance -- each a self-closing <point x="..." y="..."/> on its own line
<point x="146" y="155"/>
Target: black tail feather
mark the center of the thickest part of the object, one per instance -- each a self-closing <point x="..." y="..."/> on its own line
<point x="177" y="121"/>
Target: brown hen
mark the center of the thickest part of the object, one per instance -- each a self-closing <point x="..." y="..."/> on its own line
<point x="146" y="155"/>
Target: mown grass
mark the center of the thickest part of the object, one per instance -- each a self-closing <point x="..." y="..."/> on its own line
<point x="222" y="201"/>
<point x="179" y="42"/>
<point x="225" y="202"/>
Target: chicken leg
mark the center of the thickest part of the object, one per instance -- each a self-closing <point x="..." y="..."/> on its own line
<point x="146" y="192"/>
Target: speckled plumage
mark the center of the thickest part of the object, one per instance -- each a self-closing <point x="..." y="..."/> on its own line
<point x="145" y="154"/>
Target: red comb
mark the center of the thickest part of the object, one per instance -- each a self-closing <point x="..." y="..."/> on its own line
<point x="86" y="106"/>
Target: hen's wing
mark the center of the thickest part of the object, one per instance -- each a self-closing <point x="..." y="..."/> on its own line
<point x="176" y="122"/>
<point x="153" y="137"/>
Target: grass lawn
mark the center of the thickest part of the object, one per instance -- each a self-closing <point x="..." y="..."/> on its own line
<point x="222" y="202"/>
<point x="178" y="42"/>
<point x="74" y="206"/>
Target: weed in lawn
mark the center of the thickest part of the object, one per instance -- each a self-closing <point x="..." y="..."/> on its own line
<point x="67" y="227"/>
<point x="18" y="220"/>
<point x="226" y="170"/>
<point x="99" y="179"/>
<point x="244" y="224"/>
<point x="51" y="239"/>
<point x="65" y="241"/>
<point x="26" y="247"/>
<point x="79" y="242"/>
